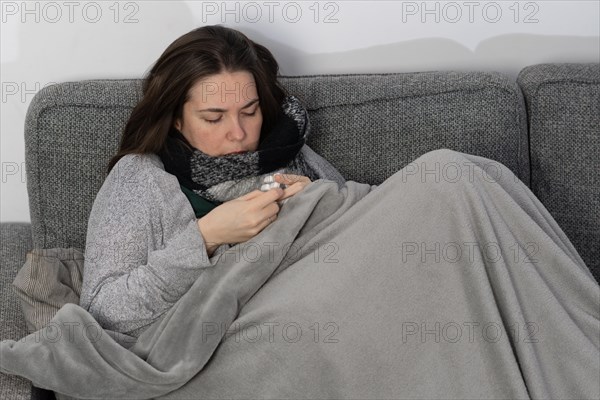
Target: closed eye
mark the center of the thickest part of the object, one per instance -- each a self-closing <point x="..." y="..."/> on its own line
<point x="251" y="113"/>
<point x="213" y="121"/>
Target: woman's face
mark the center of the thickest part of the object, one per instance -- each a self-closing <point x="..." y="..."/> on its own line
<point x="222" y="115"/>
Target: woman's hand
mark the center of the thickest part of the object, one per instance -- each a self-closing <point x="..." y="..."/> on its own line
<point x="240" y="219"/>
<point x="295" y="183"/>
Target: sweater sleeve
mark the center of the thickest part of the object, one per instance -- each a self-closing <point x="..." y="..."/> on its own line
<point x="144" y="249"/>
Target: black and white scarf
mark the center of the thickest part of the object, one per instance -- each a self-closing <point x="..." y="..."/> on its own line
<point x="223" y="178"/>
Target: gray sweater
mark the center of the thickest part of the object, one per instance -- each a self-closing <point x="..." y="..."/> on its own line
<point x="143" y="248"/>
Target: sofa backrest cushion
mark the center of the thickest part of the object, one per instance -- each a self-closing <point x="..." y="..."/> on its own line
<point x="367" y="126"/>
<point x="370" y="126"/>
<point x="563" y="104"/>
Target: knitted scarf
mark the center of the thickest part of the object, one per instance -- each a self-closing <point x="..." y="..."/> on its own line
<point x="223" y="178"/>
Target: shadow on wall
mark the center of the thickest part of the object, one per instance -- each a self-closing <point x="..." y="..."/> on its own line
<point x="507" y="54"/>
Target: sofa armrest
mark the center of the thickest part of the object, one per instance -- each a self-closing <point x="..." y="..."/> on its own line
<point x="15" y="242"/>
<point x="562" y="105"/>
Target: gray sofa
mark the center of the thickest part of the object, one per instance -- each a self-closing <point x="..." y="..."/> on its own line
<point x="545" y="128"/>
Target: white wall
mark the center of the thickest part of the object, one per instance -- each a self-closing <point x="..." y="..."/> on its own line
<point x="47" y="42"/>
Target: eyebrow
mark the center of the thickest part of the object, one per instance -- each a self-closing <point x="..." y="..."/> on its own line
<point x="251" y="102"/>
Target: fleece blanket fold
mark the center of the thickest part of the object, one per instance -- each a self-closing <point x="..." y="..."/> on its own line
<point x="448" y="280"/>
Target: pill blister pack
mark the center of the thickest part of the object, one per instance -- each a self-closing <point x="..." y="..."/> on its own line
<point x="270" y="183"/>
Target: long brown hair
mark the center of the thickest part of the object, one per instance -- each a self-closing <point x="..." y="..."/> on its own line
<point x="194" y="56"/>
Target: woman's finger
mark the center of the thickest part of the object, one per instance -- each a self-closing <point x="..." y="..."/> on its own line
<point x="293" y="189"/>
<point x="268" y="197"/>
<point x="290" y="179"/>
<point x="250" y="195"/>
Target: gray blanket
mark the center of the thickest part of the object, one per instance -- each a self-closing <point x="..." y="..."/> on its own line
<point x="448" y="280"/>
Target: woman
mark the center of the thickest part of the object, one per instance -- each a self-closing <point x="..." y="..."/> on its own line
<point x="212" y="123"/>
<point x="379" y="320"/>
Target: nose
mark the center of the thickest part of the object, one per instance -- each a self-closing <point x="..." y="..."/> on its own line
<point x="236" y="130"/>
